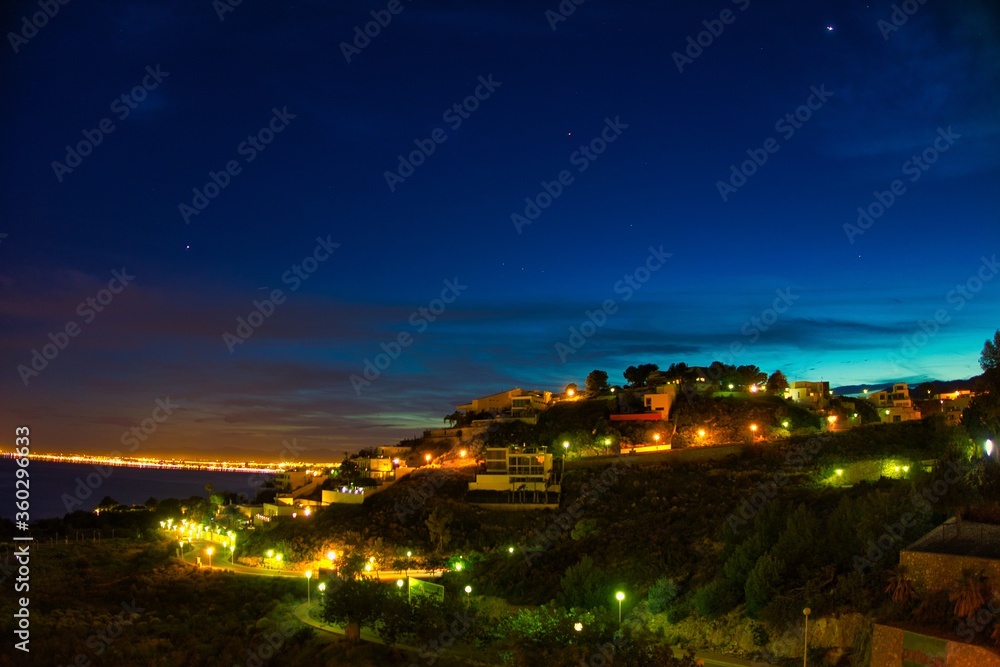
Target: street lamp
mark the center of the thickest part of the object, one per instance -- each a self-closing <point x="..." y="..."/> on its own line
<point x="232" y="554"/>
<point x="309" y="575"/>
<point x="620" y="597"/>
<point x="210" y="551"/>
<point x="427" y="458"/>
<point x="805" y="644"/>
<point x="322" y="590"/>
<point x="988" y="446"/>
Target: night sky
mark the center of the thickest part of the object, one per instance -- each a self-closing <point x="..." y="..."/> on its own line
<point x="463" y="188"/>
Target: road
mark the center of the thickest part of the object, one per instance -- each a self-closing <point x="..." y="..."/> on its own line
<point x="302" y="611"/>
<point x="220" y="561"/>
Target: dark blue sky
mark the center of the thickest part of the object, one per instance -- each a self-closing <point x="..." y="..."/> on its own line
<point x="908" y="110"/>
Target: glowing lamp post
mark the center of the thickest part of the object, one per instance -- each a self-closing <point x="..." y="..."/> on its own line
<point x="427" y="458"/>
<point x="805" y="643"/>
<point x="620" y="597"/>
<point x="209" y="551"/>
<point x="753" y="431"/>
<point x="309" y="575"/>
<point x="232" y="554"/>
<point x="988" y="446"/>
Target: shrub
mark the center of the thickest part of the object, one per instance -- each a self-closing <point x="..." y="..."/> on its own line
<point x="715" y="599"/>
<point x="662" y="594"/>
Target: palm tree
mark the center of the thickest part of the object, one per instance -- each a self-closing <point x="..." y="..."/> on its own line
<point x="900" y="586"/>
<point x="970" y="594"/>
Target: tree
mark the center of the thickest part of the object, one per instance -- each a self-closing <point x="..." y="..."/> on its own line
<point x="583" y="586"/>
<point x="970" y="594"/>
<point x="749" y="375"/>
<point x="638" y="375"/>
<point x="354" y="604"/>
<point x="982" y="418"/>
<point x="437" y="527"/>
<point x="395" y="617"/>
<point x="900" y="586"/>
<point x="989" y="359"/>
<point x="597" y="382"/>
<point x="762" y="584"/>
<point x="108" y="503"/>
<point x="777" y="383"/>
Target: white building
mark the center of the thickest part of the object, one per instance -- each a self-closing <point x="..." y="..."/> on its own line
<point x="517" y="470"/>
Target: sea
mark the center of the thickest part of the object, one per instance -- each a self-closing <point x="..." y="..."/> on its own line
<point x="55" y="487"/>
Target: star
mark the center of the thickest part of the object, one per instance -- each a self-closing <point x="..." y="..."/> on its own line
<point x="829" y="28"/>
